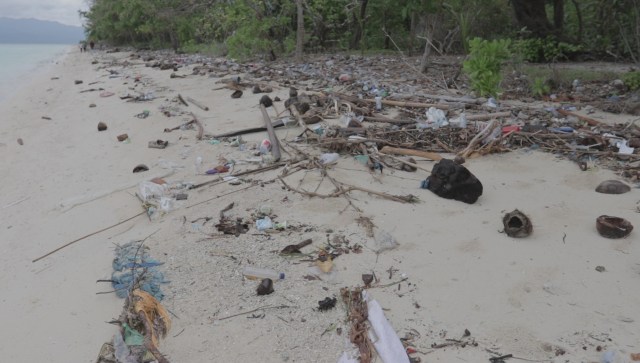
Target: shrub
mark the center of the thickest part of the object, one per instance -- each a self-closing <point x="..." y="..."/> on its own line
<point x="544" y="50"/>
<point x="540" y="87"/>
<point x="484" y="64"/>
<point x="632" y="80"/>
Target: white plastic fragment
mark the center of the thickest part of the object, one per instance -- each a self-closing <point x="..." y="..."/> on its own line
<point x="384" y="338"/>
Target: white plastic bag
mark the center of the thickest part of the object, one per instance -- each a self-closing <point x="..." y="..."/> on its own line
<point x="329" y="158"/>
<point x="436" y="117"/>
<point x="149" y="190"/>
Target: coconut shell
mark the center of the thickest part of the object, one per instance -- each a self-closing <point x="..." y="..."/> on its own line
<point x="236" y="94"/>
<point x="266" y="101"/>
<point x="140" y="168"/>
<point x="265" y="287"/>
<point x="517" y="224"/>
<point x="613" y="227"/>
<point x="613" y="187"/>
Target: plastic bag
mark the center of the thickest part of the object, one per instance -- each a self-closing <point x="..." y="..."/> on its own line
<point x="436" y="117"/>
<point x="384" y="241"/>
<point x="149" y="190"/>
<point x="329" y="158"/>
<point x="264" y="224"/>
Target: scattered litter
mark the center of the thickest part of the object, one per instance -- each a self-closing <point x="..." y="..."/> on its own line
<point x="255" y="273"/>
<point x="122" y="137"/>
<point x="264" y="224"/>
<point x="324" y="263"/>
<point x="218" y="170"/>
<point x="329" y="158"/>
<point x="436" y="118"/>
<point x="384" y="241"/>
<point x="384" y="338"/>
<point x="102" y="126"/>
<point x="292" y="249"/>
<point x="134" y="267"/>
<point x="143" y="114"/>
<point x="327" y="304"/>
<point x="158" y="144"/>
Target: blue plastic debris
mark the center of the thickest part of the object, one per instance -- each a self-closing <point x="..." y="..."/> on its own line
<point x="133" y="264"/>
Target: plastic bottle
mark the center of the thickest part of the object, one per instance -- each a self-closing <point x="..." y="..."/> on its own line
<point x="378" y="103"/>
<point x="256" y="273"/>
<point x="198" y="165"/>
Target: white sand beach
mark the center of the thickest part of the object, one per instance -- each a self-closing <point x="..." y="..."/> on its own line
<point x="538" y="298"/>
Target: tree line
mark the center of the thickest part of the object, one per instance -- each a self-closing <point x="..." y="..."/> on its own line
<point x="540" y="30"/>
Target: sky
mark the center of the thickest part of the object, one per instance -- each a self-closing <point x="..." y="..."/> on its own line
<point x="62" y="11"/>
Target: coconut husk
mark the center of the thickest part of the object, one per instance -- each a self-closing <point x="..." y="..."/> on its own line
<point x="613" y="187"/>
<point x="156" y="316"/>
<point x="517" y="224"/>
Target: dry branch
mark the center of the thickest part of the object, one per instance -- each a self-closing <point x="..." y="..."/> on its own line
<point x="405" y="162"/>
<point x="441" y="106"/>
<point x="182" y="100"/>
<point x="388" y="120"/>
<point x="486" y="131"/>
<point x="588" y="120"/>
<point x="488" y="116"/>
<point x="345" y="188"/>
<point x="411" y="152"/>
<point x="199" y="125"/>
<point x="200" y="105"/>
<point x="87" y="236"/>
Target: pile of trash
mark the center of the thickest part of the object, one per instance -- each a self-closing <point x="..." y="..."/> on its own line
<point x="133" y="267"/>
<point x="143" y="321"/>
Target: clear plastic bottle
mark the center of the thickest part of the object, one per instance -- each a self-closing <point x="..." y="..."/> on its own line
<point x="198" y="165"/>
<point x="256" y="273"/>
<point x="378" y="103"/>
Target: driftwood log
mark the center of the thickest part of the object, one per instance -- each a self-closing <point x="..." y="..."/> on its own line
<point x="275" y="143"/>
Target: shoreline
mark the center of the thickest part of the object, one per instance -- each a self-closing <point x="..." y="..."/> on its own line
<point x="27" y="76"/>
<point x="532" y="297"/>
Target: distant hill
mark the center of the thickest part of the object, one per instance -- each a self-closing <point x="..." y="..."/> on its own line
<point x="38" y="31"/>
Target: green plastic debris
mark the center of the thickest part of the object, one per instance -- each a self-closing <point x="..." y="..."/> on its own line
<point x="132" y="336"/>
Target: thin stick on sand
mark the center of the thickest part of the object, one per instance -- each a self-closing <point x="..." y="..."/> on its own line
<point x="85" y="237"/>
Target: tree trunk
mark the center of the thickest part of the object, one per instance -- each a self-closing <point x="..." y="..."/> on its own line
<point x="357" y="38"/>
<point x="558" y="17"/>
<point x="579" y="15"/>
<point x="424" y="61"/>
<point x="300" y="32"/>
<point x="532" y="15"/>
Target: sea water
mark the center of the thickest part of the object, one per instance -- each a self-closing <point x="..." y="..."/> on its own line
<point x="19" y="62"/>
